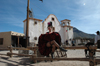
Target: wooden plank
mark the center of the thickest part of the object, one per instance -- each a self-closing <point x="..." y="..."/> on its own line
<point x="97" y="60"/>
<point x="18" y="40"/>
<point x="3" y="54"/>
<point x="69" y="47"/>
<point x="80" y="47"/>
<point x="22" y="48"/>
<point x="19" y="48"/>
<point x="72" y="59"/>
<point x="98" y="50"/>
<point x="74" y="47"/>
<point x="20" y="54"/>
<point x="31" y="48"/>
<point x="3" y="49"/>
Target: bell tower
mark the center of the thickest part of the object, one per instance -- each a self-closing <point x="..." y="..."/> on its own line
<point x="68" y="29"/>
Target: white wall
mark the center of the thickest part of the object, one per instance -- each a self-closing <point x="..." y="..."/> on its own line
<point x="55" y="23"/>
<point x="25" y="27"/>
<point x="78" y="41"/>
<point x="35" y="30"/>
<point x="41" y="28"/>
<point x="70" y="33"/>
<point x="65" y="34"/>
<point x="61" y="32"/>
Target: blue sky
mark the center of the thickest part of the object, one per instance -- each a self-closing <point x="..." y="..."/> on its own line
<point x="84" y="14"/>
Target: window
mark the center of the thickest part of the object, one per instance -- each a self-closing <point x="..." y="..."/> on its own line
<point x="69" y="28"/>
<point x="1" y="41"/>
<point x="68" y="23"/>
<point x="35" y="38"/>
<point x="63" y="24"/>
<point x="52" y="19"/>
<point x="35" y="22"/>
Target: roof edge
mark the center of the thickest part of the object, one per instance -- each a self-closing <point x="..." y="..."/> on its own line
<point x="34" y="19"/>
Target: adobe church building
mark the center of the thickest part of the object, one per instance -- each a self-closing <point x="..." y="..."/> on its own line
<point x="37" y="27"/>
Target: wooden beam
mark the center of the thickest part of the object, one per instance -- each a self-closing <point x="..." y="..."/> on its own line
<point x="20" y="54"/>
<point x="97" y="60"/>
<point x="3" y="54"/>
<point x="31" y="48"/>
<point x="18" y="40"/>
<point x="18" y="48"/>
<point x="70" y="47"/>
<point x="27" y="25"/>
<point x="80" y="47"/>
<point x="75" y="47"/>
<point x="97" y="50"/>
<point x="4" y="49"/>
<point x="72" y="59"/>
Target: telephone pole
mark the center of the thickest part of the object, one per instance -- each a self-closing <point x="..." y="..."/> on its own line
<point x="27" y="25"/>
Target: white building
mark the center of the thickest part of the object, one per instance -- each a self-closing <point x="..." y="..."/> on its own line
<point x="37" y="27"/>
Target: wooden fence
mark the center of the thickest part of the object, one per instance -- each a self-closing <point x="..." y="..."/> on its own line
<point x="92" y="60"/>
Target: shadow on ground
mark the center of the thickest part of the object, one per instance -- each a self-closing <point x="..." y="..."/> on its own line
<point x="6" y="61"/>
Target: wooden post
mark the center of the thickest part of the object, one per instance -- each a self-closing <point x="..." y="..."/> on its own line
<point x="27" y="24"/>
<point x="35" y="52"/>
<point x="92" y="60"/>
<point x="18" y="41"/>
<point x="10" y="51"/>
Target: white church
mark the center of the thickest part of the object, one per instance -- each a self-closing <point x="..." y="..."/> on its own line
<point x="38" y="27"/>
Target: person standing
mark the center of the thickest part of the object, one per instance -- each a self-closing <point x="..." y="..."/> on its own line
<point x="73" y="42"/>
<point x="97" y="39"/>
<point x="66" y="42"/>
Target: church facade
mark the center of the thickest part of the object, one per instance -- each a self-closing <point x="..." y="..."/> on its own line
<point x="38" y="27"/>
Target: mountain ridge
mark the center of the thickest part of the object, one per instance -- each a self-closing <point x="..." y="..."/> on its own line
<point x="81" y="34"/>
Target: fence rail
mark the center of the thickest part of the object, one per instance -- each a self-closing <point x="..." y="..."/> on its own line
<point x="91" y="59"/>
